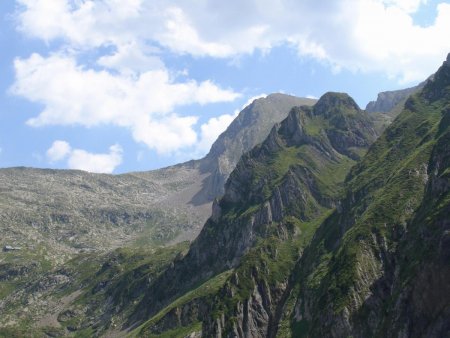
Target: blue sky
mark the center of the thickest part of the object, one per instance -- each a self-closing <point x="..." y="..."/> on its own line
<point x="118" y="86"/>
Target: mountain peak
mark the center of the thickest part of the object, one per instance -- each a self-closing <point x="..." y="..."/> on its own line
<point x="250" y="127"/>
<point x="333" y="101"/>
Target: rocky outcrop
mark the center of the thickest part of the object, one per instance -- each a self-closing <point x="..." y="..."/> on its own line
<point x="184" y="315"/>
<point x="392" y="101"/>
<point x="375" y="266"/>
<point x="274" y="187"/>
<point x="249" y="318"/>
<point x="250" y="128"/>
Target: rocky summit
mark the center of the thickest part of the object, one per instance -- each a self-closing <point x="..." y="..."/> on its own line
<point x="328" y="224"/>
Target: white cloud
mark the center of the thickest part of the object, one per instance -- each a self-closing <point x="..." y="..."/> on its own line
<point x="83" y="160"/>
<point x="364" y="35"/>
<point x="131" y="58"/>
<point x="74" y="95"/>
<point x="96" y="163"/>
<point x="58" y="151"/>
<point x="211" y="130"/>
<point x="130" y="86"/>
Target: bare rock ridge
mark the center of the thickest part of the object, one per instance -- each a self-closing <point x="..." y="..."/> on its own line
<point x="392" y="102"/>
<point x="248" y="129"/>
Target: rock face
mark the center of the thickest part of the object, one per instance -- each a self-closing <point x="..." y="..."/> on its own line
<point x="270" y="198"/>
<point x="375" y="266"/>
<point x="250" y="128"/>
<point x="392" y="102"/>
<point x="321" y="231"/>
<point x="315" y="248"/>
<point x="69" y="211"/>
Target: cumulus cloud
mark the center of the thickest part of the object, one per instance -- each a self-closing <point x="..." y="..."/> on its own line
<point x="83" y="160"/>
<point x="96" y="163"/>
<point x="128" y="83"/>
<point x="58" y="151"/>
<point x="211" y="130"/>
<point x="74" y="95"/>
<point x="365" y="35"/>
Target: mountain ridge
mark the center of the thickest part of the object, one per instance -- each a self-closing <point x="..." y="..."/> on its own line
<point x="240" y="217"/>
<point x="324" y="229"/>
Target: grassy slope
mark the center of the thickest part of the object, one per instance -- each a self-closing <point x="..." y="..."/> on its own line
<point x="281" y="162"/>
<point x="107" y="287"/>
<point x="384" y="191"/>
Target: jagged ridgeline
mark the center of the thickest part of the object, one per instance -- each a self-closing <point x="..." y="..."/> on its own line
<point x="379" y="266"/>
<point x="321" y="231"/>
<point x="274" y="200"/>
<point x="316" y="237"/>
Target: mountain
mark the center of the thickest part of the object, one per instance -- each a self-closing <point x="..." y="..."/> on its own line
<point x="250" y="128"/>
<point x="378" y="266"/>
<point x="57" y="217"/>
<point x="130" y="285"/>
<point x="324" y="229"/>
<point x="271" y="206"/>
<point x="55" y="214"/>
<point x="58" y="213"/>
<point x="391" y="102"/>
<point x="307" y="244"/>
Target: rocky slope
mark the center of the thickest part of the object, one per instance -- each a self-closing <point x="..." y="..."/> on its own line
<point x="250" y="128"/>
<point x="271" y="206"/>
<point x="321" y="231"/>
<point x="313" y="248"/>
<point x="53" y="214"/>
<point x="378" y="266"/>
<point x="392" y="102"/>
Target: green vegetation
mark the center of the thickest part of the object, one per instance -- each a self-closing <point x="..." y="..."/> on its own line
<point x="386" y="213"/>
<point x="179" y="332"/>
<point x="316" y="233"/>
<point x="317" y="176"/>
<point x="117" y="278"/>
<point x="204" y="291"/>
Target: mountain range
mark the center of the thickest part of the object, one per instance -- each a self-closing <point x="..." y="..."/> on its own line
<point x="324" y="222"/>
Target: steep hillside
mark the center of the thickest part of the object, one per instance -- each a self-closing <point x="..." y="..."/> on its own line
<point x="313" y="248"/>
<point x="273" y="201"/>
<point x="378" y="266"/>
